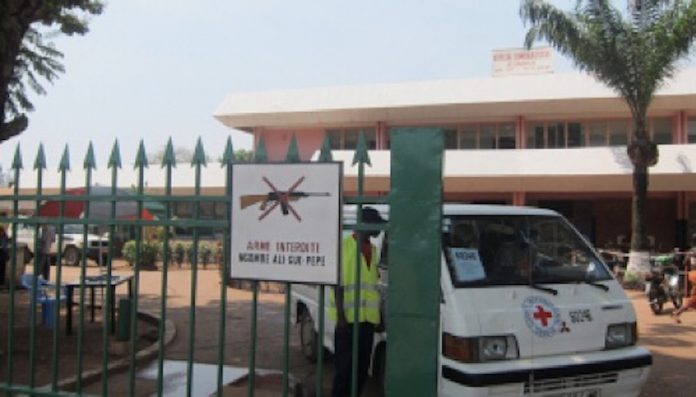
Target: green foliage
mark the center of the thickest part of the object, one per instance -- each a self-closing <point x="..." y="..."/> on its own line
<point x="189" y="253"/>
<point x="161" y="232"/>
<point x="181" y="155"/>
<point x="26" y="57"/>
<point x="243" y="156"/>
<point x="240" y="156"/>
<point x="149" y="252"/>
<point x="179" y="253"/>
<point x="205" y="253"/>
<point x="632" y="280"/>
<point x="208" y="252"/>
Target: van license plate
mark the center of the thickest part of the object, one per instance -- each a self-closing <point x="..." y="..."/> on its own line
<point x="582" y="393"/>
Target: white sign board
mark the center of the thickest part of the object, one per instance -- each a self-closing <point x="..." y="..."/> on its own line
<point x="286" y="222"/>
<point x="520" y="61"/>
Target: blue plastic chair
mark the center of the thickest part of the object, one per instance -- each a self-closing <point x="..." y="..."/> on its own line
<point x="48" y="301"/>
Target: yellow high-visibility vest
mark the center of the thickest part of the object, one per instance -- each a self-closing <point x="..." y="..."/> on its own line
<point x="369" y="294"/>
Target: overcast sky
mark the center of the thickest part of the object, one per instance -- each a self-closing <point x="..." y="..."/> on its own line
<point x="159" y="68"/>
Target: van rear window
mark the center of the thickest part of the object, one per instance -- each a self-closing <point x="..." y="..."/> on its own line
<point x="517" y="250"/>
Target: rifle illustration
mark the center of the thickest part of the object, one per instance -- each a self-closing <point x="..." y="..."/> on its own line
<point x="264" y="199"/>
<point x="278" y="198"/>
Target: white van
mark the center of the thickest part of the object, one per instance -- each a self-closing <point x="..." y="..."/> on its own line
<point x="528" y="308"/>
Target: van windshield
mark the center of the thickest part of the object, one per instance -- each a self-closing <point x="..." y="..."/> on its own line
<point x="487" y="250"/>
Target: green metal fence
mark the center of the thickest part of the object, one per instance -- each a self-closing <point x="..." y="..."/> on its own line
<point x="40" y="355"/>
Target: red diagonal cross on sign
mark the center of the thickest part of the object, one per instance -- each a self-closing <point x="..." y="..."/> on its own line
<point x="282" y="200"/>
<point x="543" y="316"/>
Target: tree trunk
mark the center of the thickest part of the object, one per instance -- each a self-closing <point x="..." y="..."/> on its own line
<point x="643" y="154"/>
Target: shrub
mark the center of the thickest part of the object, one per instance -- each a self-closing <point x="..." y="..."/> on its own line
<point x="148" y="254"/>
<point x="179" y="253"/>
<point x="205" y="254"/>
<point x="632" y="280"/>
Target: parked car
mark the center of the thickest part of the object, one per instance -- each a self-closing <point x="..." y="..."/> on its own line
<point x="73" y="243"/>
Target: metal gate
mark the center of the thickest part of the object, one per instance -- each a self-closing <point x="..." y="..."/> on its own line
<point x="415" y="201"/>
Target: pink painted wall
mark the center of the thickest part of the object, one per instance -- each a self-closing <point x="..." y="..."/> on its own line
<point x="277" y="141"/>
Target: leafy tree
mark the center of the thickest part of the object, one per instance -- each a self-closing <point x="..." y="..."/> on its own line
<point x="181" y="155"/>
<point x="243" y="156"/>
<point x="25" y="57"/>
<point x="633" y="53"/>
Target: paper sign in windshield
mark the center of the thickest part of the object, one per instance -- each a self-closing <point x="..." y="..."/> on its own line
<point x="467" y="264"/>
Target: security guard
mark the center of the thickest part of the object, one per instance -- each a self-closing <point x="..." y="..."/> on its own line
<point x="342" y="307"/>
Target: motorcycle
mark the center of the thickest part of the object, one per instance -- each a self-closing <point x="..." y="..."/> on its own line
<point x="663" y="287"/>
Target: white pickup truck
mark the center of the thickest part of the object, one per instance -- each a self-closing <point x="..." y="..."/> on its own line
<point x="558" y="325"/>
<point x="73" y="242"/>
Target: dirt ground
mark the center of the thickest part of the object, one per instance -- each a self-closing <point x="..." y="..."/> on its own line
<point x="673" y="345"/>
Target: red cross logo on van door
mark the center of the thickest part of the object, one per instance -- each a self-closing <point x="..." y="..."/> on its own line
<point x="543" y="316"/>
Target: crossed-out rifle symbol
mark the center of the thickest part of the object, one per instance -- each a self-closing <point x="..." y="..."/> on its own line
<point x="279" y="198"/>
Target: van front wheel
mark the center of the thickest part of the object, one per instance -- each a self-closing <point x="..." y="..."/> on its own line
<point x="308" y="337"/>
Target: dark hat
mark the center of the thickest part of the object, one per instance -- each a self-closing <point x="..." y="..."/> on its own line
<point x="371" y="215"/>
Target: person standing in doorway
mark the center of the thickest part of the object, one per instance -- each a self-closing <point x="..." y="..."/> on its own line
<point x="342" y="306"/>
<point x="48" y="236"/>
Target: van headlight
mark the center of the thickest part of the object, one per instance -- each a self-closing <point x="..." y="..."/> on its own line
<point x="479" y="349"/>
<point x="620" y="335"/>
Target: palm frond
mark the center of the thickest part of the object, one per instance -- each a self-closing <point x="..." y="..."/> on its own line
<point x="632" y="53"/>
<point x="35" y="59"/>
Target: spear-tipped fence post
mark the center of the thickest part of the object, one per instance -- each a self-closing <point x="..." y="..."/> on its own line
<point x="228" y="159"/>
<point x="361" y="157"/>
<point x="140" y="165"/>
<point x="17" y="167"/>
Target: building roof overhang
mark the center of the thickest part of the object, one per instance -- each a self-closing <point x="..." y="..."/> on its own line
<point x="570" y="94"/>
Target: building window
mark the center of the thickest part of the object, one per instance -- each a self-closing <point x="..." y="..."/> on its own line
<point x="555" y="134"/>
<point x="183" y="210"/>
<point x="468" y="137"/>
<point x="475" y="136"/>
<point x="347" y="138"/>
<point x="567" y="134"/>
<point x="618" y="132"/>
<point x="487" y="136"/>
<point x="661" y="130"/>
<point x="691" y="130"/>
<point x="575" y="136"/>
<point x="480" y="136"/>
<point x="597" y="131"/>
<point x="451" y="138"/>
<point x="506" y="136"/>
<point x="536" y="138"/>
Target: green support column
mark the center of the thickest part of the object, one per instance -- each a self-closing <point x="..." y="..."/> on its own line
<point x="413" y="308"/>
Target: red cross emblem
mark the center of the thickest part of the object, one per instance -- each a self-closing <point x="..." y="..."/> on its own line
<point x="542" y="315"/>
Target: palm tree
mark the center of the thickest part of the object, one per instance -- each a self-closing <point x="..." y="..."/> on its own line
<point x="633" y="53"/>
